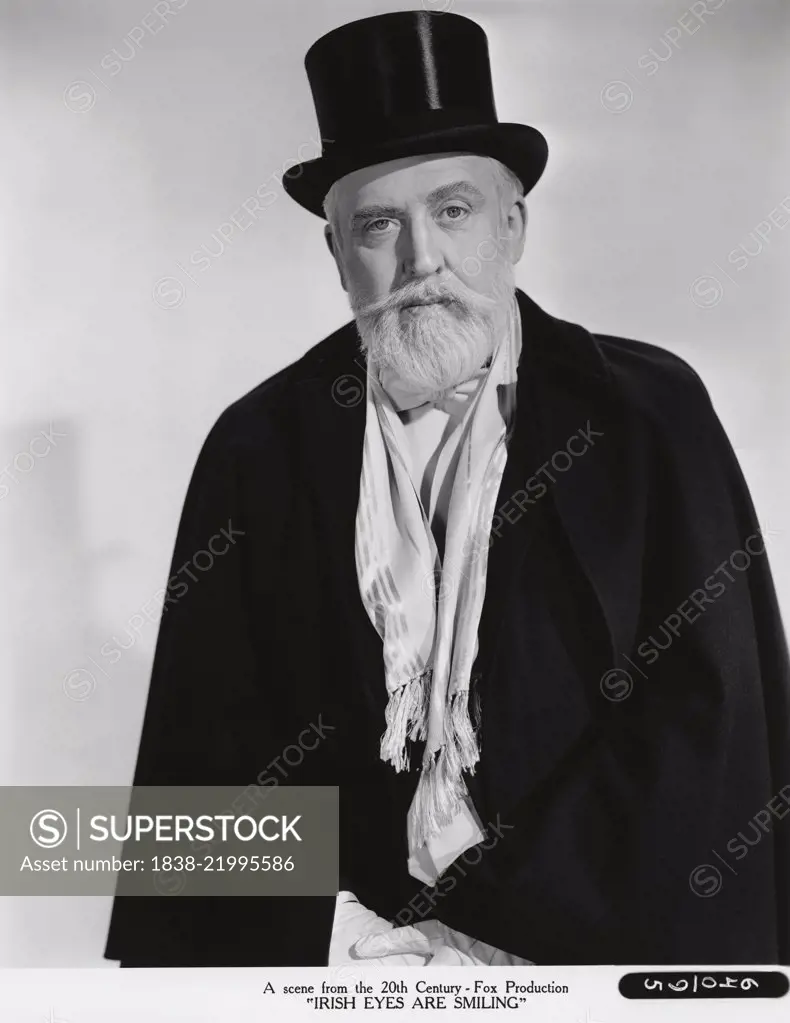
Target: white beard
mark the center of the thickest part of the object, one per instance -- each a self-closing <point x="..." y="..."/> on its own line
<point x="438" y="346"/>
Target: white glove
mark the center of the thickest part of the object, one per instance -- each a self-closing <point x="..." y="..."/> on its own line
<point x="354" y="923"/>
<point x="448" y="947"/>
<point x="358" y="933"/>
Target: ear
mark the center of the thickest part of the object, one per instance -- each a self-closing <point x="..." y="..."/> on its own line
<point x="514" y="230"/>
<point x="334" y="248"/>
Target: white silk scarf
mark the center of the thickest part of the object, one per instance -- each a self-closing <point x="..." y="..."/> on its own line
<point x="426" y="609"/>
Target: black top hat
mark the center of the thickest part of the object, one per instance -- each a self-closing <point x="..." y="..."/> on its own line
<point x="406" y="84"/>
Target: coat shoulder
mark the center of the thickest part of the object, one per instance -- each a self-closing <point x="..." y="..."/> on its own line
<point x="267" y="411"/>
<point x="647" y="366"/>
<point x="657" y="383"/>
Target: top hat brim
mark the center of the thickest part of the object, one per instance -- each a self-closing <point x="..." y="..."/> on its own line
<point x="518" y="146"/>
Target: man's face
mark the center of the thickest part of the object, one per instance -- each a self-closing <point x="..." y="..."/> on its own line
<point x="425" y="251"/>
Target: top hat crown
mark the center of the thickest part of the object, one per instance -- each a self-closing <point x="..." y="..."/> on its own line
<point x="406" y="84"/>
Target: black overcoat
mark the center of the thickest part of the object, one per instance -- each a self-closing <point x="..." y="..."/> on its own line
<point x="632" y="673"/>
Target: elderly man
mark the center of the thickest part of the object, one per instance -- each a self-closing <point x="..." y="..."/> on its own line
<point x="508" y="571"/>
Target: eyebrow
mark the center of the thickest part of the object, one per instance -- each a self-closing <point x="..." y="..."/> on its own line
<point x="440" y="194"/>
<point x="447" y="191"/>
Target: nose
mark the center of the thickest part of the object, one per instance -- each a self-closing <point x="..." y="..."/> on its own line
<point x="421" y="255"/>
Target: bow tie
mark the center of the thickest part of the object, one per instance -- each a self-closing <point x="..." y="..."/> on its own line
<point x="453" y="400"/>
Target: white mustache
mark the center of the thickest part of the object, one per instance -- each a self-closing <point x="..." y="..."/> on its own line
<point x="418" y="291"/>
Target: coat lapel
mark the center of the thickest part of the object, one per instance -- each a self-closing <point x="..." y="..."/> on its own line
<point x="331" y="420"/>
<point x="575" y="439"/>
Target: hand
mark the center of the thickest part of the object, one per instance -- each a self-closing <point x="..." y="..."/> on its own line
<point x="394" y="944"/>
<point x="354" y="924"/>
<point x="439" y="944"/>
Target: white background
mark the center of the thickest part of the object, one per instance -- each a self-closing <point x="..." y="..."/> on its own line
<point x="105" y="193"/>
<point x="228" y="996"/>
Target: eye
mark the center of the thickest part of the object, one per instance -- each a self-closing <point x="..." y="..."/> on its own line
<point x="378" y="226"/>
<point x="455" y="212"/>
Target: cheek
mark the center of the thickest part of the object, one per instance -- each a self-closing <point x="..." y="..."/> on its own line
<point x="371" y="271"/>
<point x="479" y="271"/>
<point x="479" y="261"/>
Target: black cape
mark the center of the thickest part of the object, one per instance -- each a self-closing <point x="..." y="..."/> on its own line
<point x="635" y="754"/>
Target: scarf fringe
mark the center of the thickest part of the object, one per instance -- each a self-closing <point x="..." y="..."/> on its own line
<point x="407" y="717"/>
<point x="441" y="788"/>
<point x="462" y="744"/>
